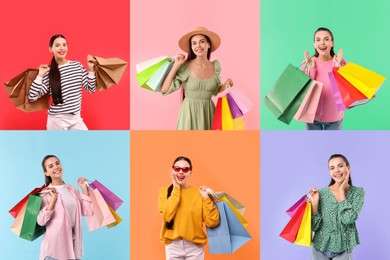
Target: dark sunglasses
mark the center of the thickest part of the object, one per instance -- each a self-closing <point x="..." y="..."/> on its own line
<point x="184" y="169"/>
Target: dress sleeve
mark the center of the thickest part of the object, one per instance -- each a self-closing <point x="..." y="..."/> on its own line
<point x="316" y="220"/>
<point x="181" y="76"/>
<point x="210" y="213"/>
<point x="168" y="207"/>
<point x="44" y="215"/>
<point x="217" y="68"/>
<point x="88" y="79"/>
<point x="350" y="208"/>
<point x="39" y="88"/>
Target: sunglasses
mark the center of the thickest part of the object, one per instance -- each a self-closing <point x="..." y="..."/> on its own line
<point x="184" y="169"/>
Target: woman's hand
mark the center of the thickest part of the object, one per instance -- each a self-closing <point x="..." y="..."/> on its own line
<point x="228" y="82"/>
<point x="91" y="63"/>
<point x="339" y="57"/>
<point x="43" y="69"/>
<point x="203" y="192"/>
<point x="309" y="59"/>
<point x="52" y="202"/>
<point x="83" y="185"/>
<point x="179" y="60"/>
<point x="345" y="185"/>
<point x="174" y="181"/>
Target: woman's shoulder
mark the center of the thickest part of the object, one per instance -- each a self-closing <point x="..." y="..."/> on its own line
<point x="217" y="66"/>
<point x="357" y="190"/>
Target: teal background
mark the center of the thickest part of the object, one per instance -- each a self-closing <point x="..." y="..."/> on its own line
<point x="91" y="154"/>
<point x="360" y="28"/>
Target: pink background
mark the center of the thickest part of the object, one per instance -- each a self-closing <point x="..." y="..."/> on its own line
<point x="155" y="28"/>
<point x="91" y="27"/>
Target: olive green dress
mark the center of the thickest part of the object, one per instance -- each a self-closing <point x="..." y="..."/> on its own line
<point x="197" y="110"/>
<point x="334" y="223"/>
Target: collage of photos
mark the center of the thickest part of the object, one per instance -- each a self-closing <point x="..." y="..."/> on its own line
<point x="170" y="130"/>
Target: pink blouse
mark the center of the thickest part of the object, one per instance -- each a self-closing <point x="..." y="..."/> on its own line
<point x="327" y="110"/>
<point x="59" y="241"/>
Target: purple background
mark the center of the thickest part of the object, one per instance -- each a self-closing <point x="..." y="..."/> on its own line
<point x="293" y="162"/>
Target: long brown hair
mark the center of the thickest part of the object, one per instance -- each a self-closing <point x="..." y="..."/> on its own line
<point x="54" y="75"/>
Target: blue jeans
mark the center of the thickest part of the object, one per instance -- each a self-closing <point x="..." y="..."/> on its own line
<point x="317" y="125"/>
<point x="318" y="255"/>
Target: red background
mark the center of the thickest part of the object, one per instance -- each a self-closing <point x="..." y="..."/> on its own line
<point x="91" y="27"/>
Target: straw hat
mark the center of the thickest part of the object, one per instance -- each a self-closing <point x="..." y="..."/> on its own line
<point x="185" y="39"/>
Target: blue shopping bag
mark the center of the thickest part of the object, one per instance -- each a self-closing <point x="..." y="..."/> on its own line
<point x="229" y="235"/>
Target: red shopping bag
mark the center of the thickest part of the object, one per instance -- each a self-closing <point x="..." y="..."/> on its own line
<point x="350" y="95"/>
<point x="290" y="231"/>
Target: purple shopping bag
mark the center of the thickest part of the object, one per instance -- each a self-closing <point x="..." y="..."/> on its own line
<point x="234" y="109"/>
<point x="112" y="200"/>
<point x="242" y="101"/>
<point x="291" y="211"/>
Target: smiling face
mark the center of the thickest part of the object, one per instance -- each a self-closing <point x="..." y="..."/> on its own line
<point x="59" y="48"/>
<point x="53" y="169"/>
<point x="182" y="171"/>
<point x="323" y="43"/>
<point x="338" y="169"/>
<point x="199" y="45"/>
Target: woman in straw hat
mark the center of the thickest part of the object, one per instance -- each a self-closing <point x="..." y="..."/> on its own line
<point x="200" y="79"/>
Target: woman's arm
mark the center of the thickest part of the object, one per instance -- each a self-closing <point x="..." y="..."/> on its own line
<point x="85" y="200"/>
<point x="88" y="77"/>
<point x="210" y="213"/>
<point x="168" y="207"/>
<point x="40" y="86"/>
<point x="350" y="208"/>
<point x="47" y="209"/>
<point x="179" y="61"/>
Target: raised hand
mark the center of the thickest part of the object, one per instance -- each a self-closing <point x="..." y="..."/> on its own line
<point x="43" y="68"/>
<point x="203" y="192"/>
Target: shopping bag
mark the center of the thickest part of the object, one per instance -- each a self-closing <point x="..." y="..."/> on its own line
<point x="117" y="218"/>
<point x="108" y="71"/>
<point x="18" y="222"/>
<point x="338" y="99"/>
<point x="18" y="88"/>
<point x="291" y="211"/>
<point x="216" y="195"/>
<point x="286" y="95"/>
<point x="241" y="100"/>
<point x="308" y="108"/>
<point x="102" y="215"/>
<point x="235" y="110"/>
<point x="30" y="229"/>
<point x="223" y="119"/>
<point x="365" y="80"/>
<point x="229" y="235"/>
<point x="114" y="201"/>
<point x="16" y="209"/>
<point x="157" y="79"/>
<point x="145" y="70"/>
<point x="217" y="119"/>
<point x="290" y="231"/>
<point x="351" y="96"/>
<point x="304" y="232"/>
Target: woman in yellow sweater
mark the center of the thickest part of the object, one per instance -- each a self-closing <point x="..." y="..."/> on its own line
<point x="184" y="209"/>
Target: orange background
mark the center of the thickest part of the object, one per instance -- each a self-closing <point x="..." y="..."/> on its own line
<point x="223" y="160"/>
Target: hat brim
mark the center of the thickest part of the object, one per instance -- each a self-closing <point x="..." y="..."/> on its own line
<point x="184" y="42"/>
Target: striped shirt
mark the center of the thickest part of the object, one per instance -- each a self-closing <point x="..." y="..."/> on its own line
<point x="73" y="77"/>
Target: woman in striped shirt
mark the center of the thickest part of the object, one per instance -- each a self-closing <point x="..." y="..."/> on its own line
<point x="63" y="80"/>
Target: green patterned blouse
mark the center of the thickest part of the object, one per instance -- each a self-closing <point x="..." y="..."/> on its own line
<point x="334" y="224"/>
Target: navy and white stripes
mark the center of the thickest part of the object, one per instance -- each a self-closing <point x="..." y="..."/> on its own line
<point x="73" y="77"/>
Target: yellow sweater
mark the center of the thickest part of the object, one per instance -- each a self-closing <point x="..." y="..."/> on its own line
<point x="189" y="210"/>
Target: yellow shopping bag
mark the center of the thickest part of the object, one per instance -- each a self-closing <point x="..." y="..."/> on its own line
<point x="118" y="219"/>
<point x="243" y="221"/>
<point x="365" y="80"/>
<point x="304" y="232"/>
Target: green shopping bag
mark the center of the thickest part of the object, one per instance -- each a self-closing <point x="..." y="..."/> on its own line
<point x="287" y="94"/>
<point x="30" y="228"/>
<point x="146" y="69"/>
